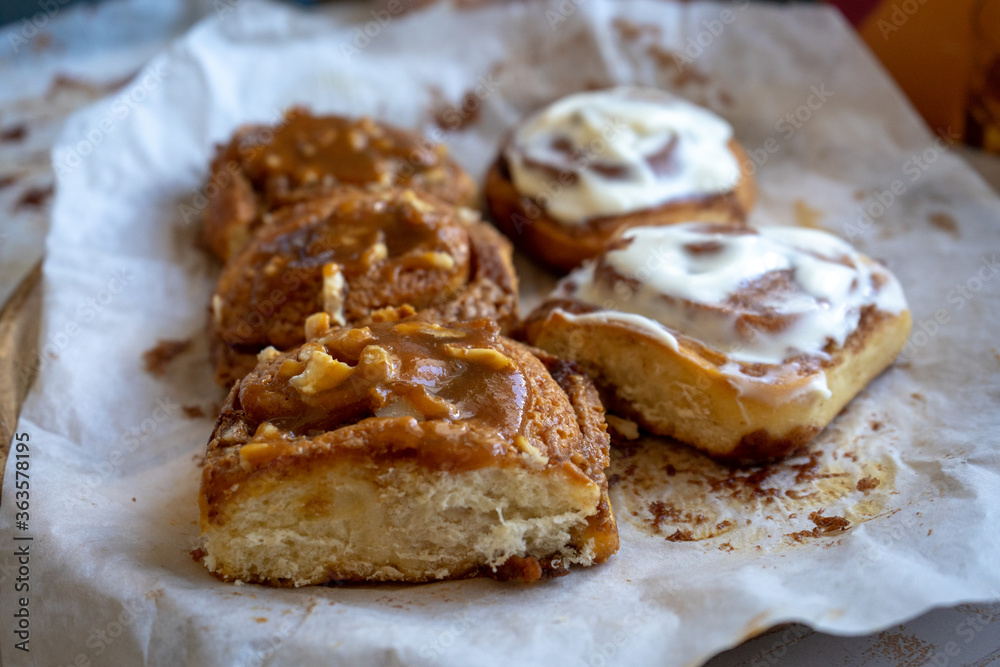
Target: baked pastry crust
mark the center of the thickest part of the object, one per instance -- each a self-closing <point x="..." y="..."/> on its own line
<point x="407" y="451"/>
<point x="563" y="247"/>
<point x="676" y="385"/>
<point x="351" y="254"/>
<point x="264" y="168"/>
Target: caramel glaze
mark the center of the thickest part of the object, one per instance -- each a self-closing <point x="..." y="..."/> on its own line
<point x="264" y="168"/>
<point x="391" y="248"/>
<point x="451" y="398"/>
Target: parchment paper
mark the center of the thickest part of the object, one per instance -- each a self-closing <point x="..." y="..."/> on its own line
<point x="893" y="511"/>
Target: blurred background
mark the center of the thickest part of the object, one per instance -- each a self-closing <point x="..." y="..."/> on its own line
<point x="945" y="55"/>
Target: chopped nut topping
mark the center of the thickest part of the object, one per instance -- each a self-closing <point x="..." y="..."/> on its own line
<point x="267" y="430"/>
<point x="377" y="363"/>
<point x="262" y="451"/>
<point x="468" y="215"/>
<point x="410" y="198"/>
<point x="376" y="253"/>
<point x="398" y="406"/>
<point x="480" y="355"/>
<point x="322" y="373"/>
<point x="273" y="161"/>
<point x="234" y="433"/>
<point x="310" y="176"/>
<point x="627" y="428"/>
<point x="316" y="324"/>
<point x="217" y="309"/>
<point x="333" y="293"/>
<point x="533" y="454"/>
<point x="358" y="140"/>
<point x="431" y="260"/>
<point x="392" y="313"/>
<point x="307" y="149"/>
<point x="290" y="367"/>
<point x="268" y="354"/>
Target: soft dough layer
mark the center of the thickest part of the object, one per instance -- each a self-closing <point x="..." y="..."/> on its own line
<point x="407" y="451"/>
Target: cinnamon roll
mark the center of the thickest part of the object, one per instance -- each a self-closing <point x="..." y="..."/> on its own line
<point x="407" y="451"/>
<point x="744" y="344"/>
<point x="349" y="255"/>
<point x="264" y="168"/>
<point x="593" y="163"/>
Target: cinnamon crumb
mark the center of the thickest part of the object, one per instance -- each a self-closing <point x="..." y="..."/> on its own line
<point x="866" y="484"/>
<point x="726" y="546"/>
<point x="157" y="358"/>
<point x="680" y="536"/>
<point x="193" y="411"/>
<point x="34" y="198"/>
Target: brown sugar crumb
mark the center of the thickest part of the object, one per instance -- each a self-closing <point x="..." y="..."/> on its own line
<point x="866" y="484"/>
<point x="34" y="198"/>
<point x="260" y="619"/>
<point x="193" y="411"/>
<point x="680" y="536"/>
<point x="876" y="425"/>
<point x="944" y="222"/>
<point x="459" y="116"/>
<point x="14" y="133"/>
<point x="197" y="554"/>
<point x="824" y="524"/>
<point x="157" y="358"/>
<point x="725" y="546"/>
<point x="723" y="525"/>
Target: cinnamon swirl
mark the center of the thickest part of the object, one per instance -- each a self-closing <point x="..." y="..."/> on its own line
<point x="348" y="255"/>
<point x="743" y="343"/>
<point x="593" y="163"/>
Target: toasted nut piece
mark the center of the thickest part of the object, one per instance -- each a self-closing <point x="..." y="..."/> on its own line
<point x="627" y="428"/>
<point x="432" y="406"/>
<point x="357" y="139"/>
<point x="309" y="176"/>
<point x="268" y="354"/>
<point x="265" y="431"/>
<point x="316" y="324"/>
<point x="480" y="355"/>
<point x="322" y="373"/>
<point x="290" y="368"/>
<point x="273" y="161"/>
<point x="257" y="452"/>
<point x="392" y="313"/>
<point x="533" y="454"/>
<point x="333" y="292"/>
<point x="348" y="342"/>
<point x="376" y="253"/>
<point x="307" y="149"/>
<point x="411" y="199"/>
<point x="431" y="260"/>
<point x="398" y="406"/>
<point x="217" y="309"/>
<point x="377" y="363"/>
<point x="234" y="433"/>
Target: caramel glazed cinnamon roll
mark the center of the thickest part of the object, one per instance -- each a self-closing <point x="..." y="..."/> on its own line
<point x="407" y="451"/>
<point x="594" y="163"/>
<point x="744" y="344"/>
<point x="264" y="168"/>
<point x="349" y="255"/>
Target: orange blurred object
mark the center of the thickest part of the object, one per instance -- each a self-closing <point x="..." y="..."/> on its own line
<point x="927" y="46"/>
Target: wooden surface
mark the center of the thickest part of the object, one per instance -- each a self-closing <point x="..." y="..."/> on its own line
<point x="19" y="321"/>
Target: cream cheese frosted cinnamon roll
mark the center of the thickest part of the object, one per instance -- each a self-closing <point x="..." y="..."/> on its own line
<point x="590" y="164"/>
<point x="743" y="343"/>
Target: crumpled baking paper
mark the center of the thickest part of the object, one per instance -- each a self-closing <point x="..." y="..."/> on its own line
<point x="892" y="511"/>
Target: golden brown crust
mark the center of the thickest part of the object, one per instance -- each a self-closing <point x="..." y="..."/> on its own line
<point x="564" y="247"/>
<point x="445" y="400"/>
<point x="265" y="168"/>
<point x="351" y="254"/>
<point x="743" y="421"/>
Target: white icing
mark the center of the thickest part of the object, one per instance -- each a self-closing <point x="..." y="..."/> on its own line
<point x="832" y="283"/>
<point x="645" y="325"/>
<point x="620" y="128"/>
